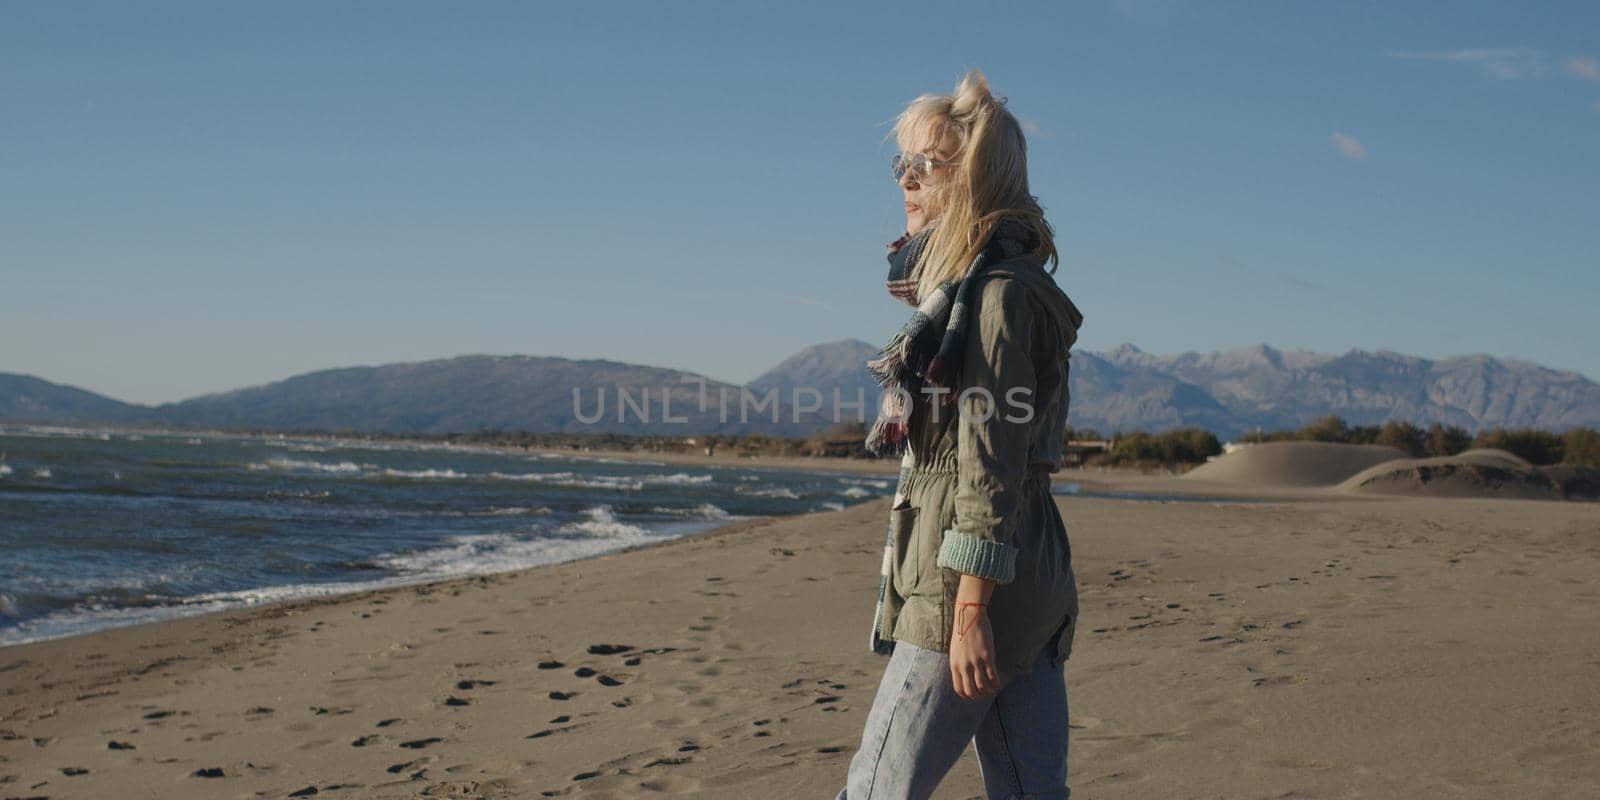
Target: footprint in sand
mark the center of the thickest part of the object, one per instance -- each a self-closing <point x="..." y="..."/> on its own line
<point x="671" y="784"/>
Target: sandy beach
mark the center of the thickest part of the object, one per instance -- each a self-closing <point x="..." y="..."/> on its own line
<point x="1310" y="645"/>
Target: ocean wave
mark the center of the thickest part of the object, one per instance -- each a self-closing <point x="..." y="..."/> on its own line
<point x="341" y="468"/>
<point x="573" y="481"/>
<point x="779" y="491"/>
<point x="856" y="492"/>
<point x="298" y="494"/>
<point x="480" y="554"/>
<point x="679" y="478"/>
<point x="425" y="474"/>
<point x="4" y="470"/>
<point x="874" y="483"/>
<point x="508" y="511"/>
<point x="832" y="506"/>
<point x="702" y="511"/>
<point x="602" y="521"/>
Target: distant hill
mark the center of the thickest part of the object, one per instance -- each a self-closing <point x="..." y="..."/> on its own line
<point x="24" y="398"/>
<point x="475" y="392"/>
<point x="1123" y="389"/>
<point x="1272" y="389"/>
<point x="838" y="365"/>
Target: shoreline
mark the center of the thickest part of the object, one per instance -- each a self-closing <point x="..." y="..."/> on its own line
<point x="291" y="605"/>
<point x="401" y="583"/>
<point x="1131" y="482"/>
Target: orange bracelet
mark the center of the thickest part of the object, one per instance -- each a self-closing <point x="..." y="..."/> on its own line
<point x="962" y="632"/>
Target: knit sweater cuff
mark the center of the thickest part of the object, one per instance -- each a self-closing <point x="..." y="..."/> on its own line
<point x="973" y="555"/>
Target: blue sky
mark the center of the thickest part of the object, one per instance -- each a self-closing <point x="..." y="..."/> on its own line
<point x="201" y="196"/>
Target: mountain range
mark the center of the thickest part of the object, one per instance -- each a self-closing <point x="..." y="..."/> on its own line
<point x="1123" y="389"/>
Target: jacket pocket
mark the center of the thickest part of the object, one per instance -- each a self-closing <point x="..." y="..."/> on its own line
<point x="903" y="528"/>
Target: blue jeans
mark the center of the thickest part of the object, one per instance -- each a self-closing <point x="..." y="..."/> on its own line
<point x="919" y="727"/>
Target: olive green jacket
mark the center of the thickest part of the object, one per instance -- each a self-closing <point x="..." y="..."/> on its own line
<point x="975" y="490"/>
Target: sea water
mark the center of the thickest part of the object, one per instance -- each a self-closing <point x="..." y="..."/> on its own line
<point x="100" y="528"/>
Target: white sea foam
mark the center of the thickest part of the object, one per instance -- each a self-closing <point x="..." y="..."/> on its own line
<point x="478" y="554"/>
<point x="779" y="491"/>
<point x="832" y="506"/>
<point x="425" y="473"/>
<point x="299" y="494"/>
<point x="678" y="478"/>
<point x="573" y="480"/>
<point x="512" y="511"/>
<point x="602" y="521"/>
<point x="341" y="468"/>
<point x="856" y="491"/>
<point x="876" y="484"/>
<point x="4" y="470"/>
<point x="492" y="511"/>
<point x="621" y="482"/>
<point x="702" y="511"/>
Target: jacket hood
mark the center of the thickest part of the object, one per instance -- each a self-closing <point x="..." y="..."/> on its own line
<point x="1030" y="271"/>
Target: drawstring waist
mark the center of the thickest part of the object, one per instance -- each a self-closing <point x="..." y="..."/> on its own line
<point x="1036" y="471"/>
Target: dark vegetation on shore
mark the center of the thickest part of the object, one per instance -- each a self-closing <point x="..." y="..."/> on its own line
<point x="1176" y="449"/>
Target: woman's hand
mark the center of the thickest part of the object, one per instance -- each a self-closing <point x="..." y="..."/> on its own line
<point x="972" y="654"/>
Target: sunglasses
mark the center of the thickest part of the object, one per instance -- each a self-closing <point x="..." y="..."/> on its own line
<point x="920" y="166"/>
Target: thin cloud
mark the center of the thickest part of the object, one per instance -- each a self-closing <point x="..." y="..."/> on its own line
<point x="1583" y="67"/>
<point x="1349" y="146"/>
<point x="1504" y="63"/>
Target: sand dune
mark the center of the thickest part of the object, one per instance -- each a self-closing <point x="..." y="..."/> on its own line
<point x="1294" y="463"/>
<point x="1475" y="473"/>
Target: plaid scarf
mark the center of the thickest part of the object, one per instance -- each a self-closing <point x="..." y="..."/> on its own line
<point x="927" y="350"/>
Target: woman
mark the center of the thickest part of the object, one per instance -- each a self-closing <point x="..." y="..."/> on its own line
<point x="978" y="603"/>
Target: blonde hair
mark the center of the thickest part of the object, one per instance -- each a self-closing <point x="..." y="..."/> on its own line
<point x="990" y="181"/>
